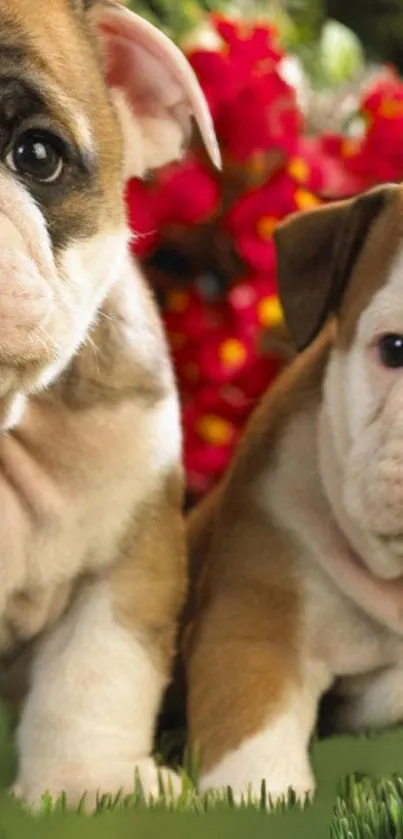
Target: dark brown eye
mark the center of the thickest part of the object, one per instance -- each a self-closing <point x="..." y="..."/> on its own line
<point x="391" y="350"/>
<point x="38" y="154"/>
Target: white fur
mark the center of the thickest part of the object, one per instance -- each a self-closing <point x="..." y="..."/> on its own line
<point x="151" y="436"/>
<point x="14" y="413"/>
<point x="147" y="144"/>
<point x="76" y="286"/>
<point x="278" y="753"/>
<point x="367" y="385"/>
<point x="340" y="598"/>
<point x="89" y="272"/>
<point x="335" y="488"/>
<point x="361" y="437"/>
<point x="89" y="718"/>
<point x="160" y="84"/>
<point x="149" y="431"/>
<point x="167" y="435"/>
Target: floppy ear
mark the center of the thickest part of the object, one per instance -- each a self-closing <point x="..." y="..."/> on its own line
<point x="153" y="87"/>
<point x="316" y="254"/>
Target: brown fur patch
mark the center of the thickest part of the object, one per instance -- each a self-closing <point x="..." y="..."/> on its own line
<point x="241" y="650"/>
<point x="148" y="584"/>
<point x="317" y="252"/>
<point x="55" y="45"/>
<point x="371" y="270"/>
<point x="242" y="621"/>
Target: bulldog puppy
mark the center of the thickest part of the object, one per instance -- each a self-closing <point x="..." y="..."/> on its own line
<point x="297" y="557"/>
<point x="93" y="565"/>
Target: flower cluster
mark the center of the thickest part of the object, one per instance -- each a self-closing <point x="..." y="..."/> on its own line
<point x="372" y="153"/>
<point x="206" y="238"/>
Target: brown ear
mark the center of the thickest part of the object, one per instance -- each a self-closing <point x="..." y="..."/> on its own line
<point x="316" y="254"/>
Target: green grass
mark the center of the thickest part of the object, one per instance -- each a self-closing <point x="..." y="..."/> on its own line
<point x="360" y="796"/>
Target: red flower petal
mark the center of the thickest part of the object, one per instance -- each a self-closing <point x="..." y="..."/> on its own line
<point x="143" y="216"/>
<point x="188" y="193"/>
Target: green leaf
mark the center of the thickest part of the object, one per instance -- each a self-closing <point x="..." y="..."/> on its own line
<point x="340" y="52"/>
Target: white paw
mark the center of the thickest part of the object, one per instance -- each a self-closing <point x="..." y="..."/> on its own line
<point x="279" y="763"/>
<point x="30" y="789"/>
<point x="278" y="755"/>
<point x="249" y="786"/>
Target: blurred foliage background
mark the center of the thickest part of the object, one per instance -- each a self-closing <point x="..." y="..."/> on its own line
<point x="315" y="30"/>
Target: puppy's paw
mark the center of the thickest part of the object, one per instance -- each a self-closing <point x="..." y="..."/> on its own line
<point x="248" y="787"/>
<point x="245" y="770"/>
<point x="153" y="780"/>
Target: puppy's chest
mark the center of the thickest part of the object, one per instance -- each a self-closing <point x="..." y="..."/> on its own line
<point x="67" y="492"/>
<point x="341" y="634"/>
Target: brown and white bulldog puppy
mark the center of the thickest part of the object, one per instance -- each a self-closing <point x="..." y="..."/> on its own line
<point x="297" y="557"/>
<point x="93" y="568"/>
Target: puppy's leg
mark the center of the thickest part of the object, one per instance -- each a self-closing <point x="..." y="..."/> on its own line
<point x="374" y="701"/>
<point x="252" y="702"/>
<point x="99" y="676"/>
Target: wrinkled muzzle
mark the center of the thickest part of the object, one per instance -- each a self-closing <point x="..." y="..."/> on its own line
<point x="26" y="302"/>
<point x="28" y="284"/>
<point x="373" y="487"/>
<point x="48" y="300"/>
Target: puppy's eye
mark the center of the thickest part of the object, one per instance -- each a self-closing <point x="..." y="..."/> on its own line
<point x="38" y="154"/>
<point x="390" y="349"/>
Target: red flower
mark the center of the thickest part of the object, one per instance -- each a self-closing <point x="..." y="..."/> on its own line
<point x="254" y="109"/>
<point x="264" y="116"/>
<point x="383" y="109"/>
<point x="143" y="216"/>
<point x="249" y="45"/>
<point x="308" y="167"/>
<point x="211" y="434"/>
<point x="223" y="356"/>
<point x="356" y="163"/>
<point x="258" y="378"/>
<point x="189" y="318"/>
<point x="214" y="417"/>
<point x="204" y="464"/>
<point x="385" y="98"/>
<point x="338" y="180"/>
<point x="215" y="343"/>
<point x="254" y="216"/>
<point x="254" y="304"/>
<point x="187" y="193"/>
<point x="219" y="79"/>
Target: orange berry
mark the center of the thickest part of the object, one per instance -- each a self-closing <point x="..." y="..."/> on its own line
<point x="269" y="311"/>
<point x="390" y="109"/>
<point x="349" y="147"/>
<point x="298" y="169"/>
<point x="232" y="352"/>
<point x="265" y="227"/>
<point x="305" y="200"/>
<point x="214" y="430"/>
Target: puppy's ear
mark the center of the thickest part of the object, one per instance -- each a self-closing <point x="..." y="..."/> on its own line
<point x="154" y="89"/>
<point x="316" y="254"/>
